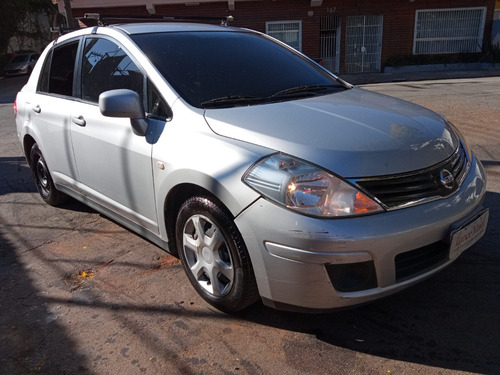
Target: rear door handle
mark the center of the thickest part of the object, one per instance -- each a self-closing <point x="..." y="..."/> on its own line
<point x="37" y="109"/>
<point x="80" y="121"/>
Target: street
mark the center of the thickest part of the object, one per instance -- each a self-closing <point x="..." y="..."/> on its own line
<point x="79" y="294"/>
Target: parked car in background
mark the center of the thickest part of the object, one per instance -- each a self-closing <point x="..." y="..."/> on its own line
<point x="22" y="63"/>
<point x="270" y="177"/>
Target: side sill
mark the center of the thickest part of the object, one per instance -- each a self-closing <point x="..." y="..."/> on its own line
<point x="141" y="231"/>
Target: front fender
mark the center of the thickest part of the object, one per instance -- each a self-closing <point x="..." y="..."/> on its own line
<point x="208" y="161"/>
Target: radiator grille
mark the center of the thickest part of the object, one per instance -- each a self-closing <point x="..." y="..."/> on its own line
<point x="420" y="186"/>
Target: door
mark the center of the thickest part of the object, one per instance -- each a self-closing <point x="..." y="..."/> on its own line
<point x="363" y="44"/>
<point x="55" y="91"/>
<point x="330" y="43"/>
<point x="114" y="164"/>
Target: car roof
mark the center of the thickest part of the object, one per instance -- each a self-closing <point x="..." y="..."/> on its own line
<point x="145" y="28"/>
<point x="158" y="27"/>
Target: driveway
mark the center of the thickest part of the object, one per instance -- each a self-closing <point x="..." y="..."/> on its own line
<point x="79" y="294"/>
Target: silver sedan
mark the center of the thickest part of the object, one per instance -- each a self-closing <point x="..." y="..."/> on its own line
<point x="270" y="177"/>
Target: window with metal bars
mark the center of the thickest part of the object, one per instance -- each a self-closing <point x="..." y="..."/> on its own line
<point x="363" y="43"/>
<point x="457" y="30"/>
<point x="289" y="32"/>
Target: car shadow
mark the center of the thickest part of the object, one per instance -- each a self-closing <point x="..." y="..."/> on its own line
<point x="15" y="176"/>
<point x="449" y="321"/>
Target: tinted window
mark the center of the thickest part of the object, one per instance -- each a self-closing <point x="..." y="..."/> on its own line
<point x="157" y="107"/>
<point x="58" y="70"/>
<point x="19" y="58"/>
<point x="205" y="65"/>
<point x="106" y="66"/>
<point x="43" y="83"/>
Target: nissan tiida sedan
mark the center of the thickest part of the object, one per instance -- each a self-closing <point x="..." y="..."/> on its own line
<point x="269" y="177"/>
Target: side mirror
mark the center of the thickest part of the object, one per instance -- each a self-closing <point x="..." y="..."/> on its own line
<point x="124" y="103"/>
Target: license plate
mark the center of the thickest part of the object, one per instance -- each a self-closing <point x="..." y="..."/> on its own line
<point x="468" y="234"/>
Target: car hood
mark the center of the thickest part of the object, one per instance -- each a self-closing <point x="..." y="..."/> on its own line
<point x="355" y="133"/>
<point x="17" y="65"/>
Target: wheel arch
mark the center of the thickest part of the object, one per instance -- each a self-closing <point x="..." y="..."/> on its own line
<point x="173" y="202"/>
<point x="28" y="143"/>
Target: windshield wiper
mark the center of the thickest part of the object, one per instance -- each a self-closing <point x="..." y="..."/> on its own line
<point x="308" y="89"/>
<point x="236" y="100"/>
<point x="232" y="100"/>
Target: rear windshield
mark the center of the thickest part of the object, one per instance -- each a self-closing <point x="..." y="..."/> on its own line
<point x="207" y="67"/>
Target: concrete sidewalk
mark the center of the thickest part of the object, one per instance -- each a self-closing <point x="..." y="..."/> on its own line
<point x="418" y="74"/>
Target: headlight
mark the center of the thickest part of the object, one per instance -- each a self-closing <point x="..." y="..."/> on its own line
<point x="306" y="188"/>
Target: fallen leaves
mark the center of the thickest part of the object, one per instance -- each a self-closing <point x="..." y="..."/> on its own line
<point x="76" y="280"/>
<point x="86" y="274"/>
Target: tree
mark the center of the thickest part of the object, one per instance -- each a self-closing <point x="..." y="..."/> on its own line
<point x="21" y="18"/>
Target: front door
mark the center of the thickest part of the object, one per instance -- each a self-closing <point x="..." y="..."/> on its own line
<point x="114" y="164"/>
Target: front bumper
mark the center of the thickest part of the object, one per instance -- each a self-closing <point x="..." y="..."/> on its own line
<point x="302" y="262"/>
<point x="16" y="72"/>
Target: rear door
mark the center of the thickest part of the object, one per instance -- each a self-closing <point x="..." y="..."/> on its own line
<point x="114" y="164"/>
<point x="48" y="111"/>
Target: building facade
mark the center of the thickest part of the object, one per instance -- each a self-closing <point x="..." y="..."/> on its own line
<point x="347" y="36"/>
<point x="495" y="33"/>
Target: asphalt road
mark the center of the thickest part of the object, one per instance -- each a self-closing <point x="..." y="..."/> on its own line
<point x="81" y="295"/>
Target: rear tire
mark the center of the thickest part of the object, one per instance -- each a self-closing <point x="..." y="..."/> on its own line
<point x="43" y="179"/>
<point x="214" y="255"/>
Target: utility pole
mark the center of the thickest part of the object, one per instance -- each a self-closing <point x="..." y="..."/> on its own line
<point x="72" y="23"/>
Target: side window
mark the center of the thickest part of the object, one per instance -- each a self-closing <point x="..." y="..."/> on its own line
<point x="157" y="107"/>
<point x="43" y="83"/>
<point x="58" y="70"/>
<point x="106" y="66"/>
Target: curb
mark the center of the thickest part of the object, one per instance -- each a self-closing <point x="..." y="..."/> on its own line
<point x="422" y="73"/>
<point x="442" y="67"/>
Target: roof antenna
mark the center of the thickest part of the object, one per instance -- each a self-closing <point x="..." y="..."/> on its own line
<point x="226" y="21"/>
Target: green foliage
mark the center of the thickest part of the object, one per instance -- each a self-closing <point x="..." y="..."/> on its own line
<point x="490" y="54"/>
<point x="14" y="15"/>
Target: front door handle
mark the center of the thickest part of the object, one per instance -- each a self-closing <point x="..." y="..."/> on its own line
<point x="37" y="108"/>
<point x="80" y="121"/>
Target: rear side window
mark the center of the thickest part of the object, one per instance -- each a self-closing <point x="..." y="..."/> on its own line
<point x="106" y="66"/>
<point x="58" y="71"/>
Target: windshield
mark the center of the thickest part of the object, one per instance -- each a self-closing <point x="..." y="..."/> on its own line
<point x="19" y="58"/>
<point x="231" y="68"/>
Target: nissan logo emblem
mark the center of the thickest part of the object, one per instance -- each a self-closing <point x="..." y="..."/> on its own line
<point x="447" y="179"/>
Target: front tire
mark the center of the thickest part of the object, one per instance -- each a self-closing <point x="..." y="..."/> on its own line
<point x="43" y="179"/>
<point x="214" y="255"/>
